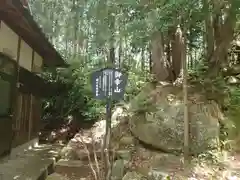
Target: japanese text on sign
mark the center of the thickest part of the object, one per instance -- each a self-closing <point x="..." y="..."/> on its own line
<point x="109" y="82"/>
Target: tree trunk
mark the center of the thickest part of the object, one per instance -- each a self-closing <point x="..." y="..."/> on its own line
<point x="120" y="52"/>
<point x="112" y="39"/>
<point x="209" y="30"/>
<point x="177" y="53"/>
<point x="190" y="49"/>
<point x="159" y="67"/>
<point x="224" y="33"/>
<point x="75" y="40"/>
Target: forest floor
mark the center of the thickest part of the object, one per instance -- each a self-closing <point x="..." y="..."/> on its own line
<point x="226" y="169"/>
<point x="200" y="169"/>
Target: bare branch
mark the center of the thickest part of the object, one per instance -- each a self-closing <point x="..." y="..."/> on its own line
<point x="89" y="159"/>
<point x="95" y="157"/>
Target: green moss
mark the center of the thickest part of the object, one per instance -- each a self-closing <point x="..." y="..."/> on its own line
<point x="143" y="103"/>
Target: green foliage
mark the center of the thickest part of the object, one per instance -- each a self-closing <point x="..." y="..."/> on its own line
<point x="212" y="157"/>
<point x="136" y="79"/>
<point x="143" y="102"/>
<point x="233" y="111"/>
<point x="215" y="88"/>
<point x="81" y="31"/>
<point x="77" y="98"/>
<point x="228" y="97"/>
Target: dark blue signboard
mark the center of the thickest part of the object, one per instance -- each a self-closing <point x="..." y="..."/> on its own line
<point x="109" y="83"/>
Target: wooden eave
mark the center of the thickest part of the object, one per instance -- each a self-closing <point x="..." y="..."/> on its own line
<point x="22" y="23"/>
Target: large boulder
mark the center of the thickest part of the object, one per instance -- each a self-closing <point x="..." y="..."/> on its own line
<point x="158" y="119"/>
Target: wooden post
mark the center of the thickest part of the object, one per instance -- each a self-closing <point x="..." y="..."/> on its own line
<point x="185" y="99"/>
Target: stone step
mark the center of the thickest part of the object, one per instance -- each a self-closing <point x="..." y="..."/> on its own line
<point x="56" y="176"/>
<point x="34" y="164"/>
<point x="73" y="168"/>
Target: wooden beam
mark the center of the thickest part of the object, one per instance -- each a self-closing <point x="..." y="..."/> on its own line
<point x="3" y="4"/>
<point x="11" y="14"/>
<point x="32" y="62"/>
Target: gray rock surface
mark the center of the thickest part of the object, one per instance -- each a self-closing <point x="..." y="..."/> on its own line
<point x="155" y="174"/>
<point x="162" y="125"/>
<point x="134" y="176"/>
<point x="124" y="154"/>
<point x="118" y="169"/>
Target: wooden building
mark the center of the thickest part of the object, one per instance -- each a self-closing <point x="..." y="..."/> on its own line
<point x="24" y="51"/>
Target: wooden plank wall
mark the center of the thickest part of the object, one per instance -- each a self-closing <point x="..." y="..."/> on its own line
<point x="26" y="107"/>
<point x="36" y="116"/>
<point x="28" y="115"/>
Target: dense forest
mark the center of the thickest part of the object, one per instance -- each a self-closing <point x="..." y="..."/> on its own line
<point x="147" y="39"/>
<point x="144" y="38"/>
<point x="153" y="42"/>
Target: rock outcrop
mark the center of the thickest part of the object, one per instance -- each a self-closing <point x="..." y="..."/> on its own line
<point x="158" y="119"/>
<point x="155" y="118"/>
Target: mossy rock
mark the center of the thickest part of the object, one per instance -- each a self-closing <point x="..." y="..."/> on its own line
<point x="163" y="126"/>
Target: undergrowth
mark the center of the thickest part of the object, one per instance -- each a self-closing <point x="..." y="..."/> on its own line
<point x="76" y="98"/>
<point x="227" y="95"/>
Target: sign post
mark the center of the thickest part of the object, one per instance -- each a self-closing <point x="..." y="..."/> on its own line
<point x="108" y="84"/>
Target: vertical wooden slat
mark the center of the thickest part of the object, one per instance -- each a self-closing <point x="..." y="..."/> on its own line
<point x="17" y="104"/>
<point x="35" y="116"/>
<point x="31" y="105"/>
<point x="39" y="114"/>
<point x="23" y="119"/>
<point x="27" y="120"/>
<point x="19" y="115"/>
<point x="30" y="118"/>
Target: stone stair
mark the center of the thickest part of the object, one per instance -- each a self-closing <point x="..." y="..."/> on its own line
<point x="56" y="176"/>
<point x="73" y="169"/>
<point x="34" y="164"/>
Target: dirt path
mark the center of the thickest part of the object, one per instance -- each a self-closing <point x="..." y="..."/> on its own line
<point x="234" y="164"/>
